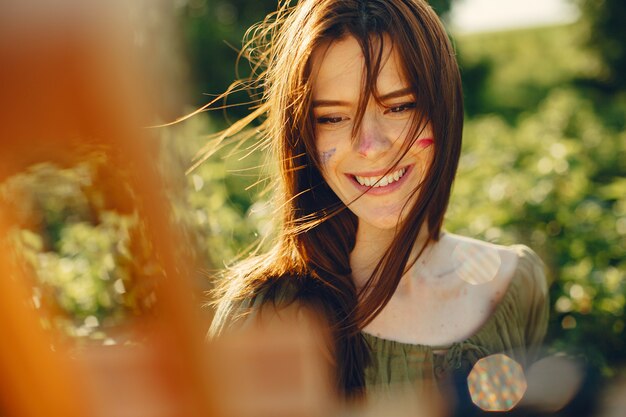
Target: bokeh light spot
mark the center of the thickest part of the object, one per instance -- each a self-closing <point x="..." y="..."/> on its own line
<point x="576" y="291"/>
<point x="496" y="383"/>
<point x="568" y="322"/>
<point x="552" y="383"/>
<point x="119" y="286"/>
<point x="564" y="304"/>
<point x="476" y="264"/>
<point x="91" y="321"/>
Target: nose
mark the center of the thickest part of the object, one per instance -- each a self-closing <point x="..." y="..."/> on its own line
<point x="371" y="140"/>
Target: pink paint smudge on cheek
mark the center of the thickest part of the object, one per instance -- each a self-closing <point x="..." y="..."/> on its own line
<point x="424" y="143"/>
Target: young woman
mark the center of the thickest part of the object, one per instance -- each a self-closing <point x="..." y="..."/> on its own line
<point x="363" y="107"/>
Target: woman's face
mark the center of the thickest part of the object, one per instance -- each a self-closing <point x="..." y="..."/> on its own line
<point x="353" y="168"/>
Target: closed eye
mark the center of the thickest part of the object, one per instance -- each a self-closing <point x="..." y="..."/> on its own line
<point x="330" y="120"/>
<point x="400" y="108"/>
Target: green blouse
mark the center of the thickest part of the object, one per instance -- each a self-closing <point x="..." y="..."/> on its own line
<point x="516" y="328"/>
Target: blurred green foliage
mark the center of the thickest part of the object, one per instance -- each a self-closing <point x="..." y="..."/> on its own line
<point x="544" y="163"/>
<point x="606" y="32"/>
<point x="512" y="72"/>
<point x="218" y="201"/>
<point x="555" y="181"/>
<point x="213" y="31"/>
<point x="78" y="232"/>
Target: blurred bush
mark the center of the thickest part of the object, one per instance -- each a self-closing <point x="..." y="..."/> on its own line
<point x="555" y="181"/>
<point x="606" y="32"/>
<point x="544" y="163"/>
<point x="85" y="249"/>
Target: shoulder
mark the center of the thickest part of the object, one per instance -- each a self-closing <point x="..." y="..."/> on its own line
<point x="494" y="271"/>
<point x="512" y="278"/>
<point x="530" y="284"/>
<point x="481" y="262"/>
<point x="478" y="262"/>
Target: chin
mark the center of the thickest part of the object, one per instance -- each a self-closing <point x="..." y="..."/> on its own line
<point x="383" y="222"/>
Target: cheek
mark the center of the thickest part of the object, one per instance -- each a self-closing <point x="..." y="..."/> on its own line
<point x="423" y="151"/>
<point x="331" y="158"/>
<point x="331" y="147"/>
<point x="326" y="156"/>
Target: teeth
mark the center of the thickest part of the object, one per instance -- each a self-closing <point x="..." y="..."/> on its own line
<point x="381" y="182"/>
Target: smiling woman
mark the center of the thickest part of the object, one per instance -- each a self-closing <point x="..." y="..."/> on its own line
<point x="362" y="105"/>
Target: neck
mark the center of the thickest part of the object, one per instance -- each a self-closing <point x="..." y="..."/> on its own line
<point x="370" y="246"/>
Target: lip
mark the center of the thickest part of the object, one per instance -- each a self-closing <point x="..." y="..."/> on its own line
<point x="380" y="190"/>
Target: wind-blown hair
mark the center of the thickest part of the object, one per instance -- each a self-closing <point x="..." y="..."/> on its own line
<point x="309" y="262"/>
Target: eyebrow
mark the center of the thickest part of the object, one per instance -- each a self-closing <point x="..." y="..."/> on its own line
<point x="393" y="94"/>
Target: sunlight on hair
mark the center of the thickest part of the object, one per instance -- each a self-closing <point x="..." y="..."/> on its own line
<point x="476" y="264"/>
<point x="496" y="383"/>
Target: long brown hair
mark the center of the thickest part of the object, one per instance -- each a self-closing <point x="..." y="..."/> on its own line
<point x="310" y="260"/>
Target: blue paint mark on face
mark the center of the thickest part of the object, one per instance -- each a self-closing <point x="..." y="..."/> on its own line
<point x="326" y="155"/>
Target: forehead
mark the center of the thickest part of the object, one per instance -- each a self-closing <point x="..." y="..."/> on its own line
<point x="338" y="68"/>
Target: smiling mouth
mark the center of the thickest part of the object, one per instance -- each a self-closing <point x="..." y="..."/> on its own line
<point x="381" y="181"/>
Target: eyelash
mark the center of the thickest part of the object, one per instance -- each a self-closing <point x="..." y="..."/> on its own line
<point x="330" y="120"/>
<point x="400" y="108"/>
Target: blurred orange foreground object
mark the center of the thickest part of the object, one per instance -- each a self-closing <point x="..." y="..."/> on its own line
<point x="71" y="82"/>
<point x="278" y="364"/>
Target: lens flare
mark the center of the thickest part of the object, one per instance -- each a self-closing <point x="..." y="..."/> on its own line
<point x="496" y="383"/>
<point x="552" y="383"/>
<point x="476" y="264"/>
